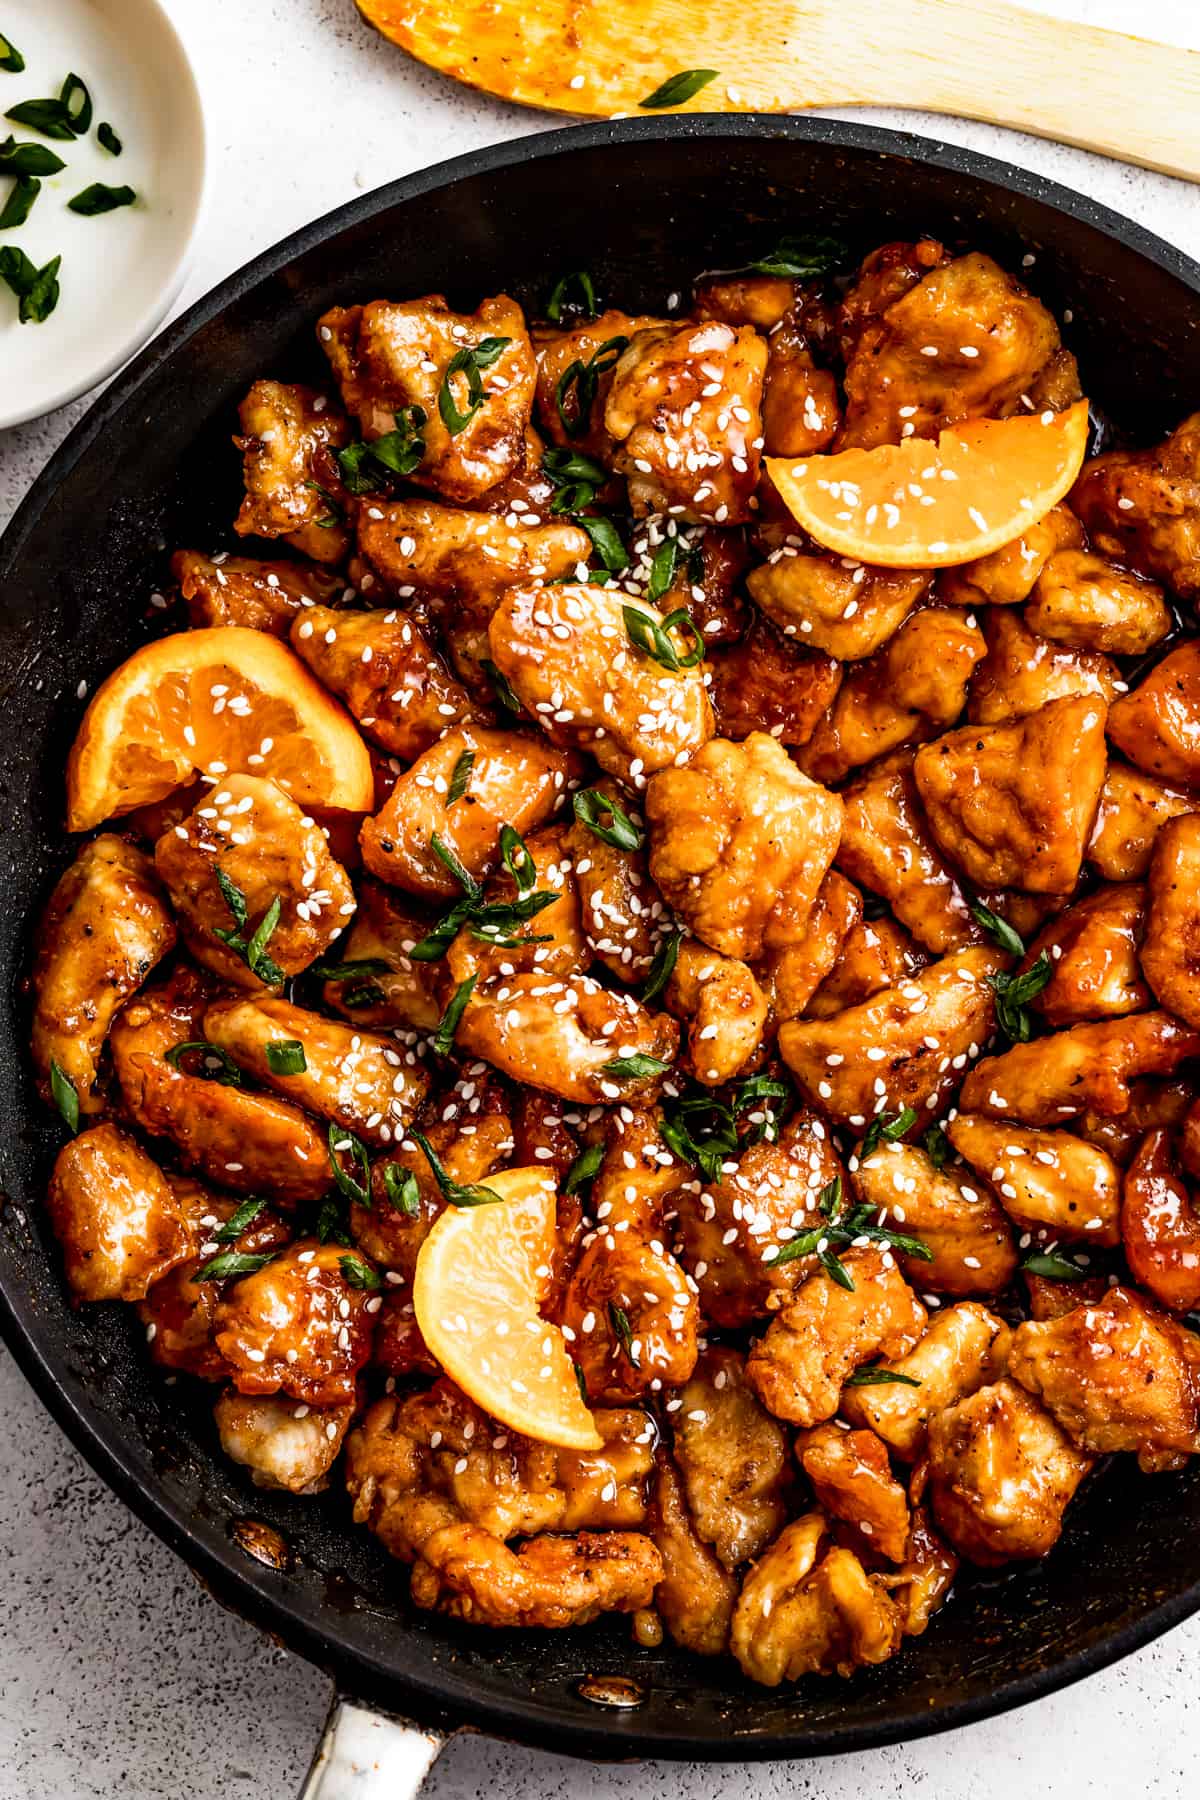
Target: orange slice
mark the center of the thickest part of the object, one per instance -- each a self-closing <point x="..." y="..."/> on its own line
<point x="217" y="702"/>
<point x="921" y="505"/>
<point x="480" y="1275"/>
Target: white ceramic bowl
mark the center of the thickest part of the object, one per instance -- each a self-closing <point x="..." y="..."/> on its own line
<point x="121" y="270"/>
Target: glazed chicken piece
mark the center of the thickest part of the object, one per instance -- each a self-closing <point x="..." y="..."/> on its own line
<point x="513" y="780"/>
<point x="922" y="1583"/>
<point x="574" y="663"/>
<point x="388" y="674"/>
<point x="1014" y="804"/>
<point x="390" y="358"/>
<point x="1050" y="1183"/>
<point x="1007" y="576"/>
<point x="800" y="408"/>
<point x="887" y="847"/>
<point x="246" y="591"/>
<point x="1133" y="806"/>
<point x="956" y="1217"/>
<point x="548" y="1582"/>
<point x="1093" y="950"/>
<point x="1001" y="1475"/>
<point x="844" y="609"/>
<point x="551" y="944"/>
<point x="964" y="343"/>
<point x="684" y="411"/>
<point x="284" y="1443"/>
<point x="733" y="1458"/>
<point x="899" y="1048"/>
<point x="467" y="559"/>
<point x="115" y="1216"/>
<point x="1171" y="950"/>
<point x="1088" y="1068"/>
<point x="105" y="926"/>
<point x="732" y="1227"/>
<point x="293" y="483"/>
<point x="1160" y="1227"/>
<point x="723" y="1009"/>
<point x="804" y="948"/>
<point x="768" y="683"/>
<point x="1157" y="726"/>
<point x="874" y="954"/>
<point x="1143" y="507"/>
<point x="1117" y="1375"/>
<point x="250" y="1143"/>
<point x="736" y="833"/>
<point x="382" y="984"/>
<point x="575" y="371"/>
<point x="245" y="851"/>
<point x="621" y="912"/>
<point x="1152" y="1104"/>
<point x="884" y="277"/>
<point x="912" y="689"/>
<point x="826" y="1331"/>
<point x="1023" y="672"/>
<point x="696" y="1596"/>
<point x="358" y="1079"/>
<point x="299" y="1325"/>
<point x="802" y="1612"/>
<point x="852" y="1481"/>
<point x="1082" y="600"/>
<point x="963" y="1347"/>
<point x="758" y="300"/>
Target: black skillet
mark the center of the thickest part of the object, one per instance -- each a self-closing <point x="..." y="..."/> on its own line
<point x="643" y="204"/>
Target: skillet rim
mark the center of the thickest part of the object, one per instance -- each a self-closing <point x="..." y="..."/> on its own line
<point x="443" y="1697"/>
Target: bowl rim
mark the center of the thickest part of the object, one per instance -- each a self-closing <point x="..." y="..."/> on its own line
<point x="445" y="1697"/>
<point x="155" y="311"/>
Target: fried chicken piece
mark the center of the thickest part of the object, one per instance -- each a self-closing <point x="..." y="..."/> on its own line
<point x="802" y="952"/>
<point x="548" y="1582"/>
<point x="1143" y="507"/>
<point x="773" y="684"/>
<point x="573" y="663"/>
<point x="283" y="1443"/>
<point x="115" y="1216"/>
<point x="1170" y="952"/>
<point x="246" y="591"/>
<point x="963" y="1347"/>
<point x="563" y="1036"/>
<point x="734" y="834"/>
<point x="922" y="1582"/>
<point x="621" y="911"/>
<point x="105" y="926"/>
<point x="874" y="954"/>
<point x="357" y="1079"/>
<point x="443" y="553"/>
<point x="298" y="1326"/>
<point x="1082" y="600"/>
<point x="1014" y="804"/>
<point x="1157" y="726"/>
<point x="1088" y="1068"/>
<point x="723" y="1009"/>
<point x="826" y="1331"/>
<point x="247" y="840"/>
<point x="964" y="343"/>
<point x="898" y="1048"/>
<point x="844" y="609"/>
<point x="912" y="689"/>
<point x="887" y="847"/>
<point x="388" y="674"/>
<point x="1093" y="951"/>
<point x="707" y="580"/>
<point x="383" y="985"/>
<point x="1050" y="1183"/>
<point x="1001" y="1475"/>
<point x="686" y="400"/>
<point x="1117" y="1375"/>
<point x="955" y="1217"/>
<point x="515" y="780"/>
<point x="800" y="408"/>
<point x="1160" y="1227"/>
<point x="1023" y="672"/>
<point x="571" y="365"/>
<point x="551" y="944"/>
<point x="1132" y="808"/>
<point x="1007" y="576"/>
<point x="800" y="1616"/>
<point x="884" y="277"/>
<point x="758" y="300"/>
<point x="293" y="483"/>
<point x="852" y="1480"/>
<point x="389" y="357"/>
<point x="696" y="1596"/>
<point x="733" y="1458"/>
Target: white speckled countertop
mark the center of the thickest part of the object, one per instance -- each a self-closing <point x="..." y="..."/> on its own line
<point x="118" y="1676"/>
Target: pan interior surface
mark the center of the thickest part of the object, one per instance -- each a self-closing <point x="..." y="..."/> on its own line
<point x="643" y="206"/>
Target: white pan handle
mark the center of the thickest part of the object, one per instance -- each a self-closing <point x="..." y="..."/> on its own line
<point x="366" y="1755"/>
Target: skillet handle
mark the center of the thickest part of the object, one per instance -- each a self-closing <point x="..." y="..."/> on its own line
<point x="365" y="1755"/>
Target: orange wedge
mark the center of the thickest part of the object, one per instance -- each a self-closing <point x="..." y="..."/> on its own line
<point x="218" y="702"/>
<point x="921" y="505"/>
<point x="480" y="1276"/>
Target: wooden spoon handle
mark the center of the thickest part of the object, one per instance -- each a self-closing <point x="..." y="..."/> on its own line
<point x="985" y="59"/>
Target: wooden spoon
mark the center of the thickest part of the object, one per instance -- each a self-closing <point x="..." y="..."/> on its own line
<point x="985" y="59"/>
